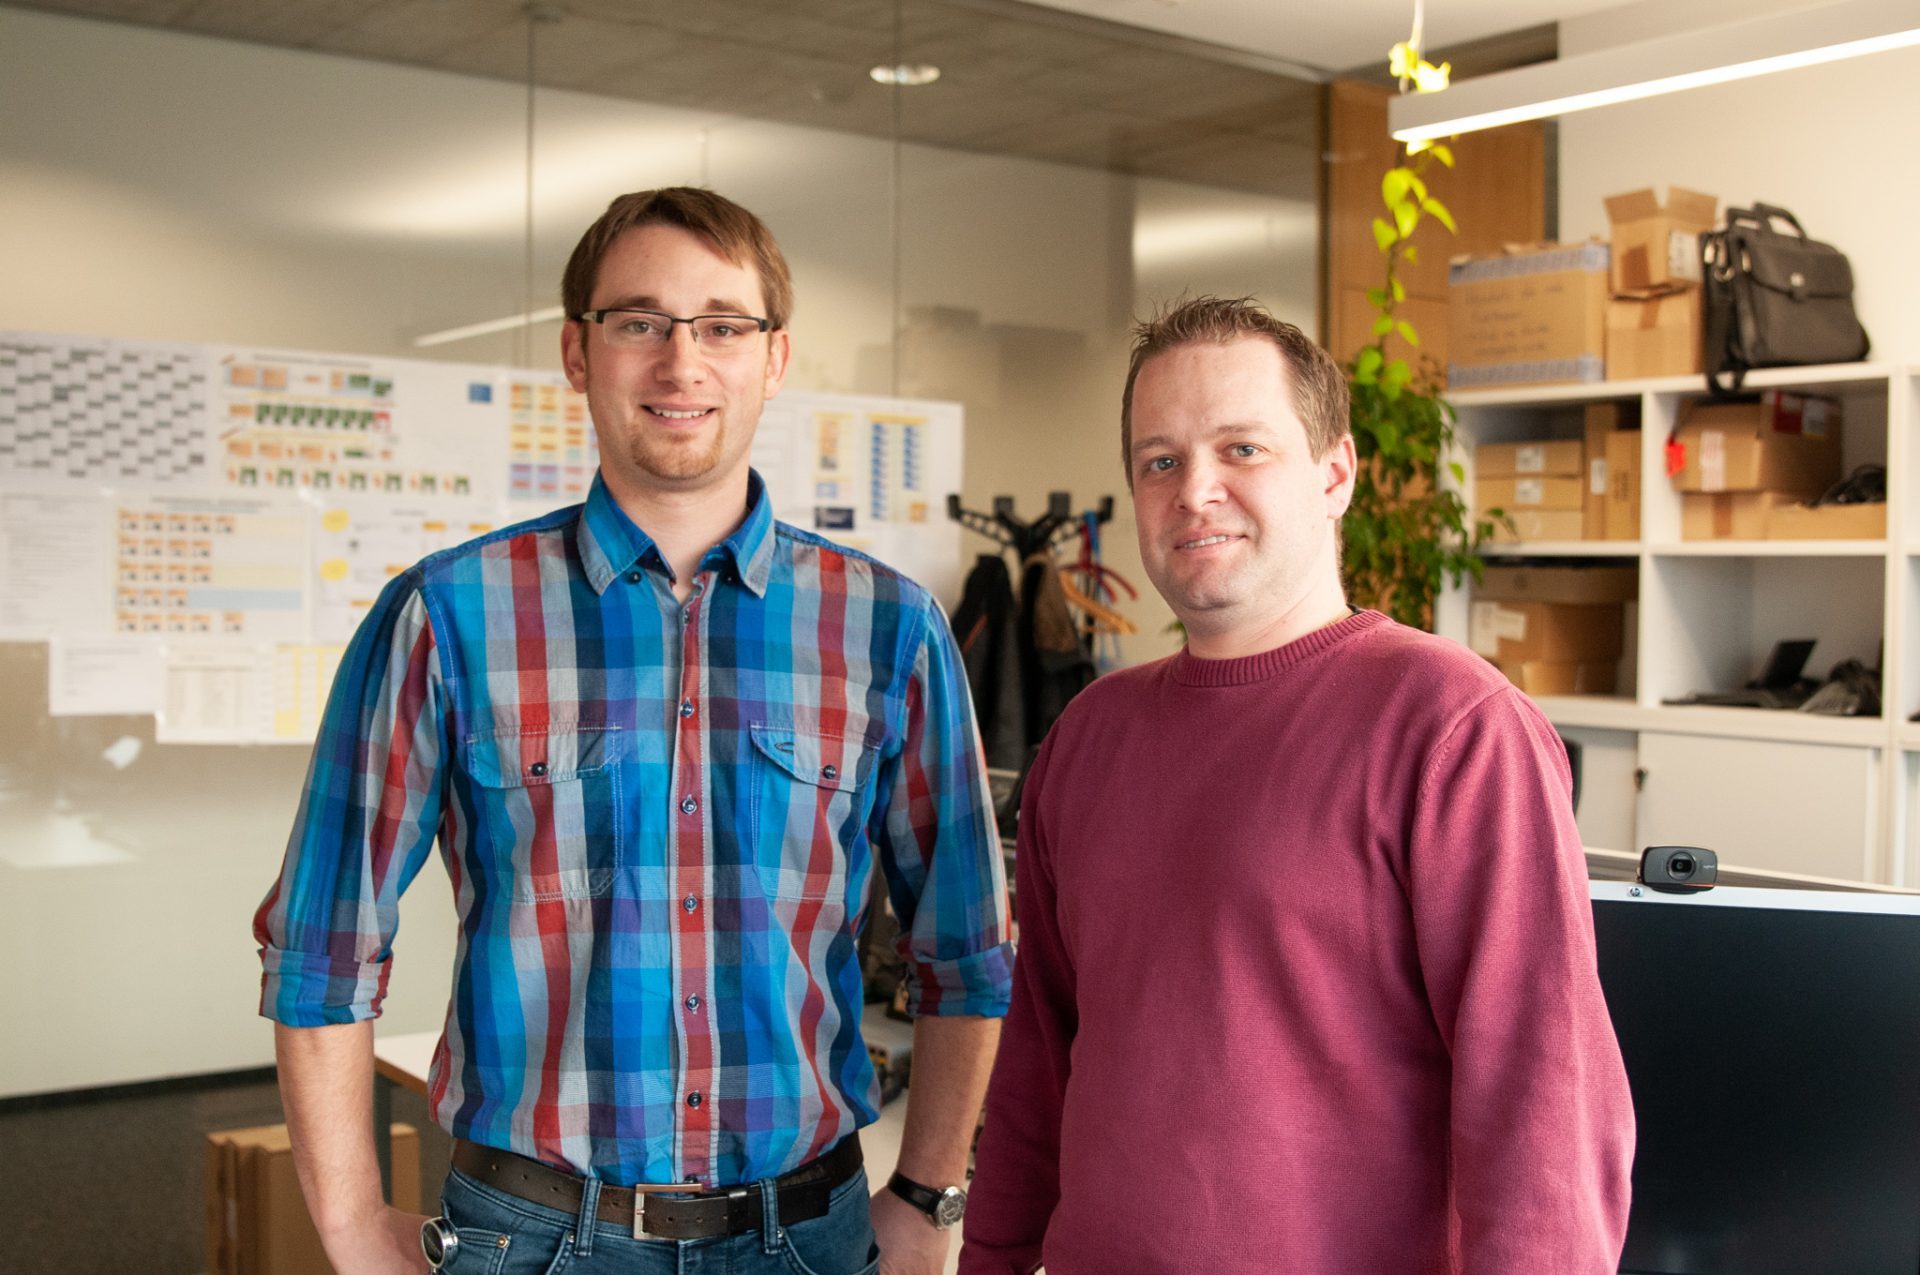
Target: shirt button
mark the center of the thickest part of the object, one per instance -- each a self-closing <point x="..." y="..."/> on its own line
<point x="693" y="1099"/>
<point x="688" y="805"/>
<point x="829" y="772"/>
<point x="686" y="708"/>
<point x="693" y="1002"/>
<point x="538" y="769"/>
<point x="689" y="903"/>
<point x="633" y="577"/>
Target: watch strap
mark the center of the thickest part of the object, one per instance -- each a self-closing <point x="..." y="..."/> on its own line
<point x="924" y="1198"/>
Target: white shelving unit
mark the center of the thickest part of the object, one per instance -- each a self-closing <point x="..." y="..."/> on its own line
<point x="1795" y="792"/>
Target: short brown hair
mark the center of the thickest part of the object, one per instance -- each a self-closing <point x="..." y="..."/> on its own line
<point x="733" y="232"/>
<point x="1319" y="386"/>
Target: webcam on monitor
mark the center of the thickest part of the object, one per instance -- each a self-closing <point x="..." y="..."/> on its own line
<point x="1678" y="869"/>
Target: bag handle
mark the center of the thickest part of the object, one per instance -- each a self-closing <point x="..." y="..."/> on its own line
<point x="1763" y="215"/>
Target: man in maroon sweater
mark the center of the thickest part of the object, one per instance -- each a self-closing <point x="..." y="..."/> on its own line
<point x="1306" y="978"/>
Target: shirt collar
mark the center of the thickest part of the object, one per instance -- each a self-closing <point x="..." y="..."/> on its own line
<point x="612" y="543"/>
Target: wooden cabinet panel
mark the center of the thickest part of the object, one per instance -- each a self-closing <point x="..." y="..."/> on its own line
<point x="1497" y="193"/>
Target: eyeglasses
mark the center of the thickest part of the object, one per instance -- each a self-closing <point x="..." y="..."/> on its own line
<point x="650" y="329"/>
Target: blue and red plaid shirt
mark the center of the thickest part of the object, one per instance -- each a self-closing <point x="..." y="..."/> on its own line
<point x="661" y="823"/>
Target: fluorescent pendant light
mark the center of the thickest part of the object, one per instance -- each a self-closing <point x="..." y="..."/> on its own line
<point x="488" y="328"/>
<point x="907" y="74"/>
<point x="1690" y="60"/>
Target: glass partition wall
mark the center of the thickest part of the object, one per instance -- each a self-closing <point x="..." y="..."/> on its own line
<point x="355" y="178"/>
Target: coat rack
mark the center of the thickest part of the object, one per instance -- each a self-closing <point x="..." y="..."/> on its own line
<point x="1023" y="537"/>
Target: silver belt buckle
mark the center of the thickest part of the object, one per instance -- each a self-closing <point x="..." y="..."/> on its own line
<point x="640" y="1192"/>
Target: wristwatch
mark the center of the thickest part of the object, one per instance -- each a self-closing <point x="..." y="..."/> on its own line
<point x="944" y="1207"/>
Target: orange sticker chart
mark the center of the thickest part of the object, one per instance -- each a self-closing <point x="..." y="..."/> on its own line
<point x="99" y="411"/>
<point x="328" y="424"/>
<point x="551" y="450"/>
<point x="210" y="568"/>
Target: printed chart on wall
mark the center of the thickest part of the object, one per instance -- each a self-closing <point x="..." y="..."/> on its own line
<point x="86" y="410"/>
<point x="871" y="474"/>
<point x="358" y="547"/>
<point x="228" y="568"/>
<point x="329" y="423"/>
<point x="551" y="450"/>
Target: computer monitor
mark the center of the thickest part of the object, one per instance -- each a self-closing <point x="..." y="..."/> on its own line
<point x="1772" y="1041"/>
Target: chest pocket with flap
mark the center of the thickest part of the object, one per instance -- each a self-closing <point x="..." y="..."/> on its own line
<point x="812" y="792"/>
<point x="549" y="808"/>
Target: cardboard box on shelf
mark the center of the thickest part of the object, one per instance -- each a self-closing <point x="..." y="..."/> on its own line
<point x="1655" y="244"/>
<point x="1545" y="456"/>
<point x="1776" y="441"/>
<point x="1654" y="333"/>
<point x="1602" y="420"/>
<point x="1532" y="316"/>
<point x="1508" y="631"/>
<point x="1623" y="485"/>
<point x="1554" y="677"/>
<point x="257" y="1221"/>
<point x="1539" y="524"/>
<point x="1827" y="522"/>
<point x="1549" y="491"/>
<point x="1729" y="515"/>
<point x="1595" y="584"/>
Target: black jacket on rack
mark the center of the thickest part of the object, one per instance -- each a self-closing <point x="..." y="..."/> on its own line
<point x="984" y="626"/>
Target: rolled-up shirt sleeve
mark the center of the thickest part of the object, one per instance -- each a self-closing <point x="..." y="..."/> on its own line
<point x="368" y="815"/>
<point x="934" y="834"/>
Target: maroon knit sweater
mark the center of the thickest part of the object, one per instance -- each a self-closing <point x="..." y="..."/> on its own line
<point x="1306" y="980"/>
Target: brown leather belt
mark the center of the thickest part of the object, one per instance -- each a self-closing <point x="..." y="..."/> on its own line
<point x="667" y="1211"/>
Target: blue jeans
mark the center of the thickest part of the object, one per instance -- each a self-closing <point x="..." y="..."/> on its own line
<point x="502" y="1234"/>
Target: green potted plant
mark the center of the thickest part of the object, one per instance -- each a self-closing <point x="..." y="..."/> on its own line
<point x="1407" y="533"/>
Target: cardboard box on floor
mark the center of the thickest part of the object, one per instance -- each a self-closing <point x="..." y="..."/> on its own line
<point x="1775" y="441"/>
<point x="1655" y="244"/>
<point x="1528" y="316"/>
<point x="257" y="1222"/>
<point x="1654" y="333"/>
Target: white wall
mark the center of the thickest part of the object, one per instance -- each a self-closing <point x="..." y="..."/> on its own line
<point x="1835" y="144"/>
<point x="168" y="187"/>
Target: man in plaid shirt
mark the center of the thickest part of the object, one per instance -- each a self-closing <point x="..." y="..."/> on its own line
<point x="664" y="742"/>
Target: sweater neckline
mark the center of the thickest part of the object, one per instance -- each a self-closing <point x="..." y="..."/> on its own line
<point x="1191" y="670"/>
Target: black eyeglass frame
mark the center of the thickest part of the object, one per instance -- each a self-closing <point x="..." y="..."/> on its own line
<point x="600" y="317"/>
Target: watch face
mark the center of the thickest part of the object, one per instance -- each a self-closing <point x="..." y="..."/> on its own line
<point x="951" y="1208"/>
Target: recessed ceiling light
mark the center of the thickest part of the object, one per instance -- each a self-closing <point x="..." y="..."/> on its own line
<point x="910" y="75"/>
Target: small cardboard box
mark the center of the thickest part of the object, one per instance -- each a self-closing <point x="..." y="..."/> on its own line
<point x="1654" y="245"/>
<point x="1729" y="515"/>
<point x="1555" y="491"/>
<point x="1509" y="632"/>
<point x="1528" y="317"/>
<point x="1827" y="522"/>
<point x="1654" y="333"/>
<point x="257" y="1222"/>
<point x="1519" y="460"/>
<point x="1586" y="585"/>
<point x="1602" y="420"/>
<point x="1623" y="485"/>
<point x="1775" y="441"/>
<point x="1539" y="524"/>
<point x="1554" y="677"/>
